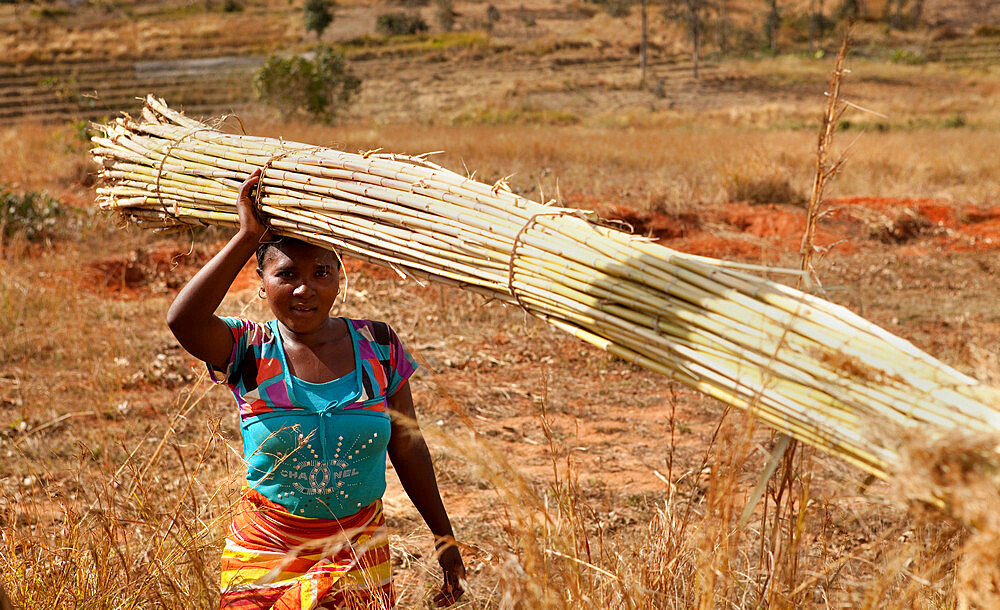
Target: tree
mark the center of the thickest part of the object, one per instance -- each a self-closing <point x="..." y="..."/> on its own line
<point x="723" y="26"/>
<point x="446" y="14"/>
<point x="693" y="14"/>
<point x="319" y="87"/>
<point x="817" y="22"/>
<point x="492" y="17"/>
<point x="642" y="46"/>
<point x="771" y="25"/>
<point x="917" y="12"/>
<point x="318" y="16"/>
<point x="849" y="9"/>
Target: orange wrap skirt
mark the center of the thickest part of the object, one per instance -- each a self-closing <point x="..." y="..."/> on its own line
<point x="274" y="559"/>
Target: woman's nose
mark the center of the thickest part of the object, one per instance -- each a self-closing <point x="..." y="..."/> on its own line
<point x="302" y="289"/>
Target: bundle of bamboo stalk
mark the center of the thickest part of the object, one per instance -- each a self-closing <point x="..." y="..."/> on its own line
<point x="804" y="366"/>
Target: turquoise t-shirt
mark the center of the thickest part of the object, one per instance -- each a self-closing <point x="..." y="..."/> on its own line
<point x="319" y="450"/>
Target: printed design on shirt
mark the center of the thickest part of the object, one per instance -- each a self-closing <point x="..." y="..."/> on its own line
<point x="337" y="477"/>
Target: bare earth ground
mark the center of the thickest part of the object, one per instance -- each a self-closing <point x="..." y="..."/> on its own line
<point x="95" y="394"/>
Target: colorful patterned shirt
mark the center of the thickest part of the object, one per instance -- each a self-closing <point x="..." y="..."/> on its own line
<point x="317" y="449"/>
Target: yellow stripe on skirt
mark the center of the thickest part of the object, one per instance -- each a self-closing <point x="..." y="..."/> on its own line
<point x="274" y="559"/>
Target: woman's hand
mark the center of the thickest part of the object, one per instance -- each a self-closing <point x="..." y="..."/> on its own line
<point x="249" y="223"/>
<point x="454" y="573"/>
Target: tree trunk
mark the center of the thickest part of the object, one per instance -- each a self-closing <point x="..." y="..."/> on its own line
<point x="722" y="27"/>
<point x="695" y="8"/>
<point x="897" y="15"/>
<point x="916" y="13"/>
<point x="772" y="25"/>
<point x="812" y="26"/>
<point x="642" y="47"/>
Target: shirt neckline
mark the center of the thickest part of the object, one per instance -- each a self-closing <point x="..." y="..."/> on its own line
<point x="289" y="378"/>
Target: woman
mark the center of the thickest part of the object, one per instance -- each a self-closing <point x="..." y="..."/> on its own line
<point x="322" y="402"/>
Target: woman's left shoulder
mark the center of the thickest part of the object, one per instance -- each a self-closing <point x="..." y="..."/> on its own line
<point x="373" y="330"/>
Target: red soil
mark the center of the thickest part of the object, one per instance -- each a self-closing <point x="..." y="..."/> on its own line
<point x="741" y="230"/>
<point x="143" y="272"/>
<point x="730" y="231"/>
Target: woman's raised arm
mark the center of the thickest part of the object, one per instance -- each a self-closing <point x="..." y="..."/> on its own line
<point x="191" y="316"/>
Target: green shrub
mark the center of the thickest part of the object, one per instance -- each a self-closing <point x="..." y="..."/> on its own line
<point x="35" y="215"/>
<point x="955" y="121"/>
<point x="400" y="24"/>
<point x="986" y="30"/>
<point x="319" y="87"/>
<point x="906" y="56"/>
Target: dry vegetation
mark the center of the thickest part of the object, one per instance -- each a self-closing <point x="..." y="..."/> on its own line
<point x="574" y="479"/>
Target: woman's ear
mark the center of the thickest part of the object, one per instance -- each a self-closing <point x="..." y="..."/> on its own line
<point x="260" y="273"/>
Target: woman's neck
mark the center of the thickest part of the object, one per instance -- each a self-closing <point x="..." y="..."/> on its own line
<point x="328" y="332"/>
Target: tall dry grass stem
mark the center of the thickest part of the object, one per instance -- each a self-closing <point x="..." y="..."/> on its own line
<point x="789" y="492"/>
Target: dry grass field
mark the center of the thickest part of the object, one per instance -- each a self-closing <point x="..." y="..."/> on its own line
<point x="573" y="479"/>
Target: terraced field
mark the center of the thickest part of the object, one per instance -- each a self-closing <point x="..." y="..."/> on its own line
<point x="219" y="84"/>
<point x="967" y="52"/>
<point x="92" y="90"/>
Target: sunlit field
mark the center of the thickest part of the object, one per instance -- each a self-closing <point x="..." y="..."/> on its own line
<point x="573" y="479"/>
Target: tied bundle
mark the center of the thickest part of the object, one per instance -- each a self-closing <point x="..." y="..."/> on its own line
<point x="802" y="365"/>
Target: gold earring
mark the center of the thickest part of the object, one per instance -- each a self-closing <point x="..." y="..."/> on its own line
<point x="261" y="294"/>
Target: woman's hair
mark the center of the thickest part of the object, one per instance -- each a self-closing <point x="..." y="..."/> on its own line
<point x="280" y="242"/>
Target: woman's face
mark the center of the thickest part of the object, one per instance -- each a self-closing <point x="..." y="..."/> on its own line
<point x="301" y="281"/>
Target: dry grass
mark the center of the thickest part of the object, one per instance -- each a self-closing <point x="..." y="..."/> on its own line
<point x="575" y="480"/>
<point x="591" y="167"/>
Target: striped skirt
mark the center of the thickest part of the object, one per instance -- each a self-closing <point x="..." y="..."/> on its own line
<point x="274" y="559"/>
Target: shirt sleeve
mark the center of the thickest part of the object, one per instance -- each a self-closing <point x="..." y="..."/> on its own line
<point x="401" y="363"/>
<point x="242" y="330"/>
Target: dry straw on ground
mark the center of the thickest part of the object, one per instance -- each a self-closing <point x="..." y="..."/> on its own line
<point x="802" y="365"/>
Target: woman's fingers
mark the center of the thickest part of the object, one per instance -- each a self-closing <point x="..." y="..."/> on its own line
<point x="450" y="593"/>
<point x="244" y="205"/>
<point x="454" y="574"/>
<point x="246" y="189"/>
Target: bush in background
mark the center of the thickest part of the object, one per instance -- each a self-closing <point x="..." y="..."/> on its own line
<point x="319" y="87"/>
<point x="761" y="181"/>
<point x="34" y="215"/>
<point x="400" y="24"/>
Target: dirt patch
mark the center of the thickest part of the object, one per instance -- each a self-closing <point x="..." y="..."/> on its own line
<point x="655" y="224"/>
<point x="143" y="271"/>
<point x="744" y="231"/>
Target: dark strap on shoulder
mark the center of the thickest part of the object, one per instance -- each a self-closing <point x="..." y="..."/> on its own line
<point x="380" y="330"/>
